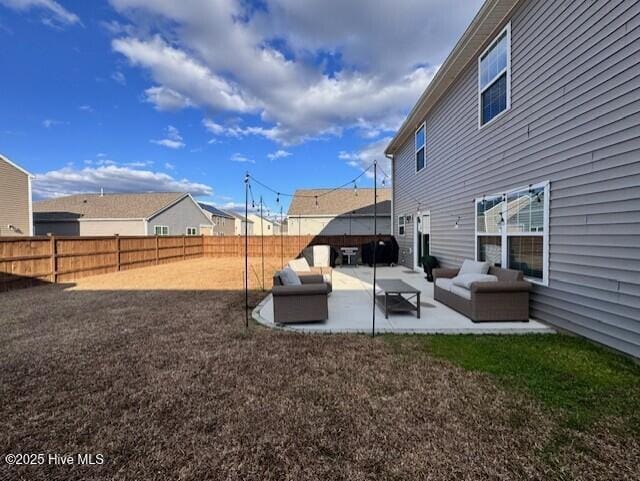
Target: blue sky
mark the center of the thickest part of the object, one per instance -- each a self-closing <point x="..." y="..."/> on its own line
<point x="140" y="95"/>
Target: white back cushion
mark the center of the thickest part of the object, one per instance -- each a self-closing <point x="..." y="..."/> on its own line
<point x="289" y="277"/>
<point x="321" y="256"/>
<point x="473" y="267"/>
<point x="300" y="265"/>
<point x="465" y="280"/>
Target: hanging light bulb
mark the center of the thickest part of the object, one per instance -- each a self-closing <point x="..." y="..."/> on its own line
<point x="383" y="180"/>
<point x="457" y="224"/>
<point x="278" y="198"/>
<point x="253" y="204"/>
<point x="355" y="188"/>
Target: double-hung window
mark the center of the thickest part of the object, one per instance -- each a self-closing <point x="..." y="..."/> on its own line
<point x="512" y="230"/>
<point x="192" y="231"/>
<point x="161" y="230"/>
<point x="421" y="147"/>
<point x="494" y="77"/>
<point x="400" y="225"/>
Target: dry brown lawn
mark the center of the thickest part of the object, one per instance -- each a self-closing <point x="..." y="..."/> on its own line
<point x="153" y="369"/>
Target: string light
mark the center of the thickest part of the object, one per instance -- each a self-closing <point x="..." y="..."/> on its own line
<point x="355" y="188"/>
<point x="278" y="198"/>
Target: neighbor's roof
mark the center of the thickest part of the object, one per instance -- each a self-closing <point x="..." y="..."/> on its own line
<point x="107" y="206"/>
<point x="238" y="216"/>
<point x="492" y="15"/>
<point x="340" y="201"/>
<point x="215" y="211"/>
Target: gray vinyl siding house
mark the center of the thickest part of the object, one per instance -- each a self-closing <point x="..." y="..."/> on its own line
<point x="572" y="125"/>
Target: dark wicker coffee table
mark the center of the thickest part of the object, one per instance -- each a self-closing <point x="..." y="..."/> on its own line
<point x="397" y="296"/>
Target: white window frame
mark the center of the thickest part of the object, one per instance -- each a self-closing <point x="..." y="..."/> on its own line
<point x="423" y="146"/>
<point x="195" y="230"/>
<point x="401" y="224"/>
<point x="162" y="228"/>
<point x="481" y="90"/>
<point x="504" y="234"/>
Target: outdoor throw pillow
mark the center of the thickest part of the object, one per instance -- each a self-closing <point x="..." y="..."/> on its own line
<point x="473" y="267"/>
<point x="300" y="265"/>
<point x="289" y="277"/>
<point x="465" y="280"/>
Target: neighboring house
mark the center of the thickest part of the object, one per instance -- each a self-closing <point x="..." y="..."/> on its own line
<point x="16" y="217"/>
<point x="165" y="213"/>
<point x="239" y="224"/>
<point x="338" y="212"/>
<point x="525" y="150"/>
<point x="223" y="222"/>
<point x="271" y="227"/>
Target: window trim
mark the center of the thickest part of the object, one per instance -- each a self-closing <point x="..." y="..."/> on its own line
<point x="504" y="234"/>
<point x="161" y="227"/>
<point x="507" y="69"/>
<point x="403" y="225"/>
<point x="195" y="229"/>
<point x="416" y="149"/>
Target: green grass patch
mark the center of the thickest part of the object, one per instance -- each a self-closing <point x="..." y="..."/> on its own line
<point x="571" y="376"/>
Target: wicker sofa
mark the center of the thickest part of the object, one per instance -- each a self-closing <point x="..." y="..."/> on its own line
<point x="505" y="299"/>
<point x="307" y="302"/>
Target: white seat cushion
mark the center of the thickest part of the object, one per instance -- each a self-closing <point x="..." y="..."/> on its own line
<point x="474" y="267"/>
<point x="465" y="280"/>
<point x="289" y="277"/>
<point x="300" y="265"/>
<point x="444" y="284"/>
<point x="461" y="291"/>
<point x="321" y="256"/>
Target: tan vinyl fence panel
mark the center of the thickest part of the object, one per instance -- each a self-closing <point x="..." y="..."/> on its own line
<point x="28" y="261"/>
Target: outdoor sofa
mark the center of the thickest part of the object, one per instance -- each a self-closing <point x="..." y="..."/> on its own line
<point x="483" y="293"/>
<point x="304" y="302"/>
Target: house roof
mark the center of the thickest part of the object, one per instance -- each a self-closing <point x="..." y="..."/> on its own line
<point x="214" y="210"/>
<point x="491" y="16"/>
<point x="107" y="206"/>
<point x="6" y="159"/>
<point x="238" y="216"/>
<point x="340" y="201"/>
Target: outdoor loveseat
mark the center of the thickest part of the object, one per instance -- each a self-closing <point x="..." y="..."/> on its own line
<point x="483" y="293"/>
<point x="305" y="302"/>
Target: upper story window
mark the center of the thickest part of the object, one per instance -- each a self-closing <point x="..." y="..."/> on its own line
<point x="494" y="77"/>
<point x="192" y="231"/>
<point x="421" y="147"/>
<point x="400" y="225"/>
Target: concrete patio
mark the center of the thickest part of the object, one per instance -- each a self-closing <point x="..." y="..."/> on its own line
<point x="350" y="309"/>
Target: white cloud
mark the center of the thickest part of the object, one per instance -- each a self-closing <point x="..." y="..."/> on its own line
<point x="221" y="56"/>
<point x="56" y="14"/>
<point x="112" y="178"/>
<point x="173" y="139"/>
<point x="278" y="154"/>
<point x="119" y="78"/>
<point x="86" y="108"/>
<point x="169" y="166"/>
<point x="48" y="123"/>
<point x="363" y="158"/>
<point x="237" y="157"/>
<point x="164" y="98"/>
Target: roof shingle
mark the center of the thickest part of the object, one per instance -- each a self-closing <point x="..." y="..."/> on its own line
<point x="339" y="202"/>
<point x="107" y="206"/>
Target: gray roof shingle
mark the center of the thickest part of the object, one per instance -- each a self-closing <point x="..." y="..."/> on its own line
<point x="107" y="206"/>
<point x="339" y="202"/>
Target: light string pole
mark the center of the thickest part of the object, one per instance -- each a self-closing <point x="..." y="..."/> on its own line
<point x="375" y="242"/>
<point x="262" y="240"/>
<point x="246" y="251"/>
<point x="281" y="237"/>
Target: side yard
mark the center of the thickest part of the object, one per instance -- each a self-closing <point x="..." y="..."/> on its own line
<point x="153" y="369"/>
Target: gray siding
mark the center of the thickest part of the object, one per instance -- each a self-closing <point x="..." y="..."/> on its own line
<point x="574" y="121"/>
<point x="179" y="216"/>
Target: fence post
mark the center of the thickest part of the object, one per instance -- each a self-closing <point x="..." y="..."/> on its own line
<point x="54" y="253"/>
<point x="157" y="251"/>
<point x="184" y="247"/>
<point x="117" y="252"/>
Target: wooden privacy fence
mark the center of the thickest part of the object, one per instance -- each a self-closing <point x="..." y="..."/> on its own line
<point x="26" y="261"/>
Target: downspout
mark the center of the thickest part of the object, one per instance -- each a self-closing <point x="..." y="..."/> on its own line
<point x="393" y="191"/>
